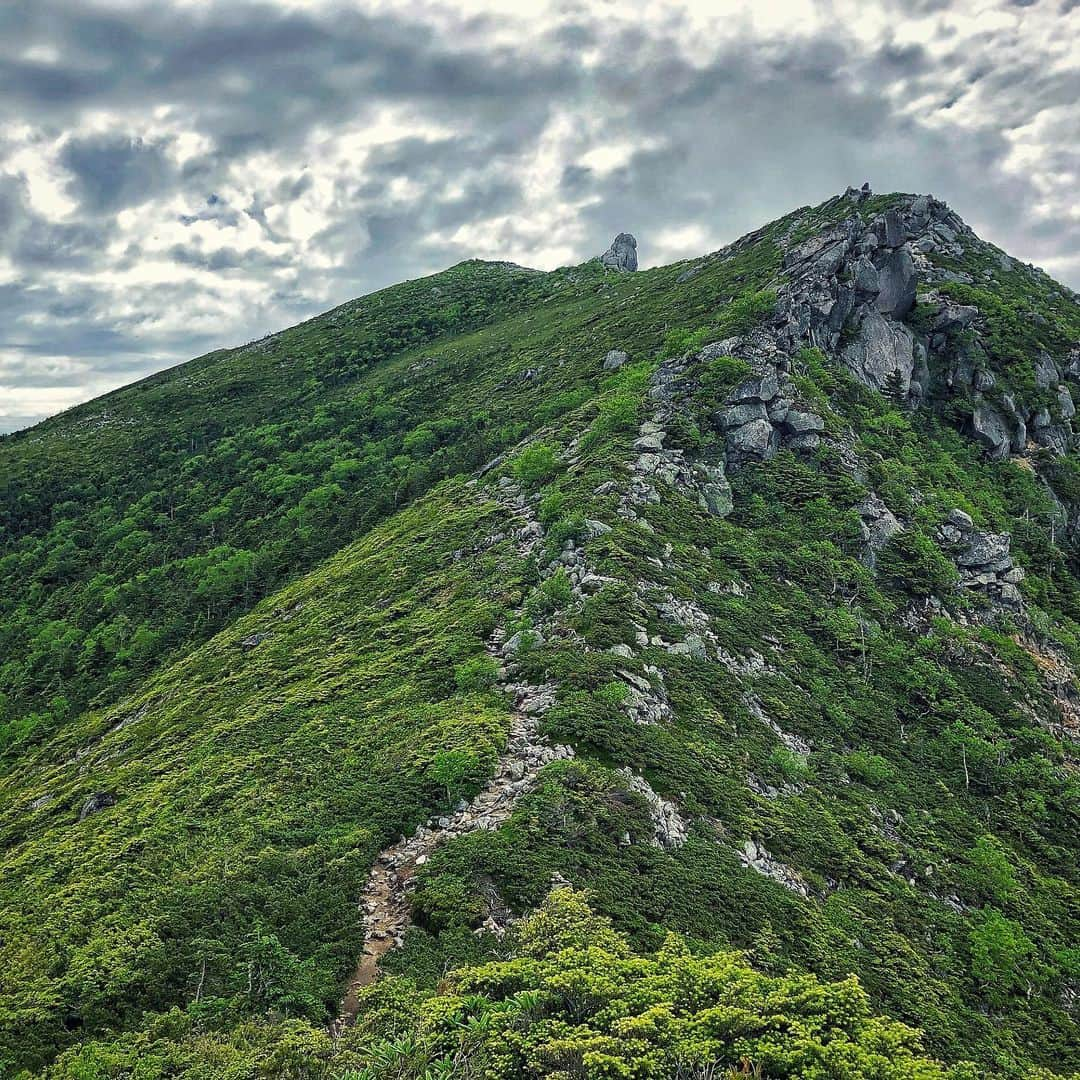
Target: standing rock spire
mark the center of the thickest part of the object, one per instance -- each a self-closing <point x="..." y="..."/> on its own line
<point x="622" y="255"/>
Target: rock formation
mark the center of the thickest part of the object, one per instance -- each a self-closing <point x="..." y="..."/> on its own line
<point x="622" y="255"/>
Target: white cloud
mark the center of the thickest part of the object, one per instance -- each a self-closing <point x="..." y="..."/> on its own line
<point x="238" y="166"/>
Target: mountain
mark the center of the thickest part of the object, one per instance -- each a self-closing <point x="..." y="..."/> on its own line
<point x="568" y="633"/>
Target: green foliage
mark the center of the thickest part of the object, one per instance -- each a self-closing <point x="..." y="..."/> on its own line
<point x="455" y="770"/>
<point x="991" y="876"/>
<point x="721" y="375"/>
<point x="1002" y="957"/>
<point x="911" y="562"/>
<point x="868" y="767"/>
<point x="576" y="1001"/>
<point x="680" y="342"/>
<point x="478" y="674"/>
<point x="246" y="603"/>
<point x="536" y="464"/>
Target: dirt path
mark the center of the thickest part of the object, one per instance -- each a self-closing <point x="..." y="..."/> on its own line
<point x="385" y="901"/>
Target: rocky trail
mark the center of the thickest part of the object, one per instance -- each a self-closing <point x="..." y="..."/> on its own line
<point x="385" y="902"/>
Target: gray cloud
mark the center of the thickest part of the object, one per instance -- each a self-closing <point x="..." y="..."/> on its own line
<point x="114" y="171"/>
<point x="178" y="176"/>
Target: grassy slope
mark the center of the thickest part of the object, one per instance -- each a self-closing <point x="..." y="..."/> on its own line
<point x="254" y="785"/>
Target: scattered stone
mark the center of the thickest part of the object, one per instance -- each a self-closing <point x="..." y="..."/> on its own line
<point x="615" y="360"/>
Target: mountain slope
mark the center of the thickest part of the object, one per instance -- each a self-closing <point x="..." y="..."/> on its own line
<point x="765" y="632"/>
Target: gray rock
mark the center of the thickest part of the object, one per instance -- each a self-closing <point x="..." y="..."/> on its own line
<point x="1065" y="403"/>
<point x="1046" y="372"/>
<point x="615" y="360"/>
<point x="756" y="388"/>
<point x="1056" y="437"/>
<point x="716" y="498"/>
<point x="726" y="347"/>
<point x="757" y="439"/>
<point x="880" y="522"/>
<point x="896" y="275"/>
<point x="989" y="550"/>
<point x="649" y="443"/>
<point x="1010" y="596"/>
<point x="98" y="801"/>
<point x="954" y="317"/>
<point x="522" y="639"/>
<point x="865" y="276"/>
<point x="622" y="255"/>
<point x="959" y="519"/>
<point x="809" y="440"/>
<point x="734" y="416"/>
<point x="892" y="232"/>
<point x="778" y="408"/>
<point x="983" y="379"/>
<point x="881" y="347"/>
<point x="799" y="422"/>
<point x="990" y="429"/>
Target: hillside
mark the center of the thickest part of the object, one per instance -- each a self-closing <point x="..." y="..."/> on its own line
<point x="743" y="594"/>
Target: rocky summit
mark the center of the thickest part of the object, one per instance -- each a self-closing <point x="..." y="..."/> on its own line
<point x="593" y="673"/>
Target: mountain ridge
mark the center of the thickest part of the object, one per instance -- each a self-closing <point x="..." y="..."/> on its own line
<point x="813" y="650"/>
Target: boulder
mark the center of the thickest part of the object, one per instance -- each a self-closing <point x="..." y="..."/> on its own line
<point x="864" y="275"/>
<point x="800" y="422"/>
<point x="988" y="551"/>
<point x="755" y="439"/>
<point x="954" y="317"/>
<point x="892" y="232"/>
<point x="756" y="388"/>
<point x="98" y="801"/>
<point x="879" y="521"/>
<point x="1066" y="407"/>
<point x="989" y="427"/>
<point x="896" y="276"/>
<point x="622" y="255"/>
<point x="615" y="360"/>
<point x="714" y="491"/>
<point x="1046" y="372"/>
<point x="733" y="416"/>
<point x="881" y="348"/>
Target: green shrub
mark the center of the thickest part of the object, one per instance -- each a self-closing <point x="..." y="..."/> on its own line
<point x="476" y="674"/>
<point x="911" y="562"/>
<point x="870" y="768"/>
<point x="535" y="464"/>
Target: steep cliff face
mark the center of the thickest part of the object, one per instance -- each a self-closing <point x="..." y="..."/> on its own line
<point x="701" y="588"/>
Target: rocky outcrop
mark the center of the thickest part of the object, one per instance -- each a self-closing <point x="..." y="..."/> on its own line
<point x="622" y="255"/>
<point x="755" y="857"/>
<point x="614" y="360"/>
<point x="100" y="800"/>
<point x="763" y="412"/>
<point x="882" y="352"/>
<point x="879" y="525"/>
<point x="670" y="829"/>
<point x="983" y="559"/>
<point x="706" y="481"/>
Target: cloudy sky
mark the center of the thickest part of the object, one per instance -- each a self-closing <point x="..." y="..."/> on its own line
<point x="177" y="175"/>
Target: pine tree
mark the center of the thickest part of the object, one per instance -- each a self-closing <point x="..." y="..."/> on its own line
<point x="895" y="391"/>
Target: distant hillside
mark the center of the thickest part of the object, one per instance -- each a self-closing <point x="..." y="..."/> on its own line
<point x="742" y="594"/>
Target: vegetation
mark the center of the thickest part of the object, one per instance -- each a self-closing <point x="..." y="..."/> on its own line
<point x="243" y="619"/>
